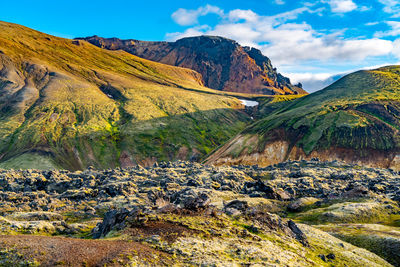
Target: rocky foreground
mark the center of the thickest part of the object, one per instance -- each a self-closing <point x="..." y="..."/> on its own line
<point x="303" y="213"/>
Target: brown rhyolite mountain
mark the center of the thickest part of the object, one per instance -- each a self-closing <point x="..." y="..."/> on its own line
<point x="224" y="64"/>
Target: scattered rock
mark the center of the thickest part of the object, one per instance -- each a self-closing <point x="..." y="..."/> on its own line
<point x="176" y="206"/>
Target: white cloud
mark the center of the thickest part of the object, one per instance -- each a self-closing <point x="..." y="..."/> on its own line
<point x="186" y="17"/>
<point x="323" y="49"/>
<point x="391" y="7"/>
<point x="396" y="48"/>
<point x="372" y="23"/>
<point x="195" y="31"/>
<point x="239" y="14"/>
<point x="394" y="31"/>
<point x="314" y="81"/>
<point x="279" y="2"/>
<point x="290" y="15"/>
<point x="308" y="76"/>
<point x="376" y="66"/>
<point x="365" y="8"/>
<point x="238" y="32"/>
<point x="342" y="6"/>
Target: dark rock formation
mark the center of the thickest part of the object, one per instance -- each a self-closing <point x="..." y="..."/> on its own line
<point x="300" y="236"/>
<point x="191" y="200"/>
<point x="111" y="219"/>
<point x="190" y="185"/>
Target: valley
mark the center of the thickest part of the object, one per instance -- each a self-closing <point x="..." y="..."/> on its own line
<point x="196" y="152"/>
<point x="71" y="105"/>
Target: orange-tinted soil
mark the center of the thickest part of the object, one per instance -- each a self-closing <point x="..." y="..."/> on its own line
<point x="52" y="251"/>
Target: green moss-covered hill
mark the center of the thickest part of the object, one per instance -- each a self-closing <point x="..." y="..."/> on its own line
<point x="69" y="104"/>
<point x="356" y="119"/>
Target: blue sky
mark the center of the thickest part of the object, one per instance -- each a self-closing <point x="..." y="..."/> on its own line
<point x="310" y="41"/>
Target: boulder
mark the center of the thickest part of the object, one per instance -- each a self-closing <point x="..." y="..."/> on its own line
<point x="192" y="200"/>
<point x="271" y="191"/>
<point x="111" y="219"/>
<point x="302" y="203"/>
<point x="236" y="207"/>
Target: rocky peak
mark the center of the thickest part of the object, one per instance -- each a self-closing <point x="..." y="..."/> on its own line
<point x="213" y="45"/>
<point x="261" y="60"/>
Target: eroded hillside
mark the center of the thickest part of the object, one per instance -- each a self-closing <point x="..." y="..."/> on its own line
<point x="356" y="119"/>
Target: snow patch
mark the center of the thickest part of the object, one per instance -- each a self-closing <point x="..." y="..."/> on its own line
<point x="249" y="103"/>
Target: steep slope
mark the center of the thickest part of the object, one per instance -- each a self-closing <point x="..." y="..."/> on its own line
<point x="356" y="119"/>
<point x="67" y="103"/>
<point x="223" y="63"/>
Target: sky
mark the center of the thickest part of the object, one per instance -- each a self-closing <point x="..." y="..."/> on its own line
<point x="313" y="42"/>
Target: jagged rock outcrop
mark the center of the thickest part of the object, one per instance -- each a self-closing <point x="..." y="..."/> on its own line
<point x="224" y="64"/>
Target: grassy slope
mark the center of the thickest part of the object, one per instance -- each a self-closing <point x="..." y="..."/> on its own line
<point x="82" y="105"/>
<point x="360" y="111"/>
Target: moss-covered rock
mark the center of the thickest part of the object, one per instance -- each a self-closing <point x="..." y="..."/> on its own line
<point x="302" y="203"/>
<point x="347" y="212"/>
<point x="379" y="239"/>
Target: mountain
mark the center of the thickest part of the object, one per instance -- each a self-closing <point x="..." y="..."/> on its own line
<point x="223" y="63"/>
<point x="356" y="119"/>
<point x="69" y="104"/>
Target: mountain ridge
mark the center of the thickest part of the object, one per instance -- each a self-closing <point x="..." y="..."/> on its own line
<point x="223" y="63"/>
